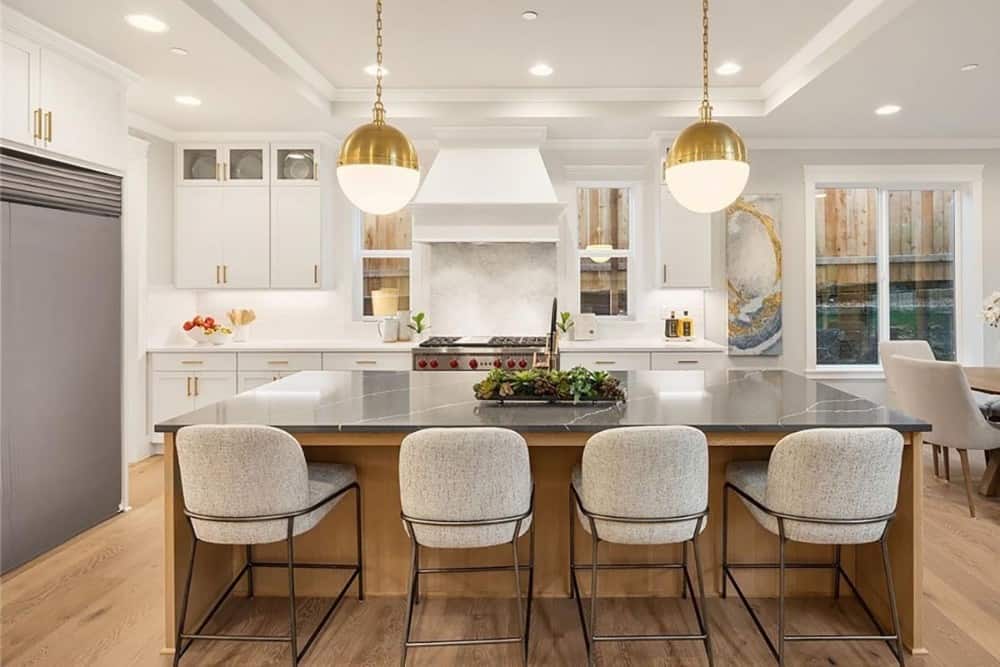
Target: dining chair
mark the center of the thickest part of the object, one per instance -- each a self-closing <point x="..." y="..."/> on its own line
<point x="248" y="485"/>
<point x="938" y="392"/>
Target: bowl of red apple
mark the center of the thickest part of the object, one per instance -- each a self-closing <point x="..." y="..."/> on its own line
<point x="205" y="330"/>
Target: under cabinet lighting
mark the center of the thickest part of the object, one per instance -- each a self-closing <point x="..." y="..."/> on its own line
<point x="888" y="109"/>
<point x="188" y="100"/>
<point x="541" y="69"/>
<point x="146" y="22"/>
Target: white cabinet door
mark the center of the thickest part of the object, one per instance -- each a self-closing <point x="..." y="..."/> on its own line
<point x="295" y="164"/>
<point x="295" y="236"/>
<point x="83" y="110"/>
<point x="172" y="395"/>
<point x="198" y="237"/>
<point x="246" y="237"/>
<point x="198" y="164"/>
<point x="213" y="387"/>
<point x="20" y="113"/>
<point x="685" y="245"/>
<point x="605" y="361"/>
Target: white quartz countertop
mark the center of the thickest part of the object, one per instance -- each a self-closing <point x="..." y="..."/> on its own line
<point x="374" y="345"/>
<point x="639" y="345"/>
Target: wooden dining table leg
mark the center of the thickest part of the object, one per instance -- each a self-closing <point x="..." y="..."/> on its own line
<point x="947" y="464"/>
<point x="963" y="454"/>
<point x="990" y="484"/>
<point x="937" y="452"/>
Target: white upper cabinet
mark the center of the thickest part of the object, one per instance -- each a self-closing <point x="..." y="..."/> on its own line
<point x="295" y="237"/>
<point x="230" y="165"/>
<point x="245" y="237"/>
<point x="685" y="245"/>
<point x="294" y="164"/>
<point x="65" y="105"/>
<point x="245" y="164"/>
<point x="199" y="164"/>
<point x="21" y="112"/>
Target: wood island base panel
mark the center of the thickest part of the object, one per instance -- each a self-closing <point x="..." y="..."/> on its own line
<point x="360" y="419"/>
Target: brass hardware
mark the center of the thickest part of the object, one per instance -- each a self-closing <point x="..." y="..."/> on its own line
<point x="225" y="270"/>
<point x="225" y="171"/>
<point x="191" y="361"/>
<point x="278" y="363"/>
<point x="664" y="274"/>
<point x="36" y="130"/>
<point x="366" y="362"/>
<point x="218" y="171"/>
<point x="217" y="274"/>
<point x="687" y="361"/>
<point x="605" y="363"/>
<point x="188" y="386"/>
<point x="196" y="385"/>
<point x="316" y="273"/>
<point x="48" y="126"/>
<point x="315" y="171"/>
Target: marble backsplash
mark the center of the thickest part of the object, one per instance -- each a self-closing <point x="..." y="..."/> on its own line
<point x="494" y="288"/>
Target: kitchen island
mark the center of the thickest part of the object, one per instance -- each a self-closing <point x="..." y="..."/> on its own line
<point x="361" y="418"/>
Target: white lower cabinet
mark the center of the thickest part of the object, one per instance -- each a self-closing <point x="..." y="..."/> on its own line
<point x="605" y="361"/>
<point x="367" y="361"/>
<point x="174" y="393"/>
<point x="673" y="361"/>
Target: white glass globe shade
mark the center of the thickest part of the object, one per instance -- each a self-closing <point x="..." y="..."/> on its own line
<point x="707" y="186"/>
<point x="378" y="189"/>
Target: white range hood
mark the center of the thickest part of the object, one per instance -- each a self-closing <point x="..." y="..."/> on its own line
<point x="487" y="185"/>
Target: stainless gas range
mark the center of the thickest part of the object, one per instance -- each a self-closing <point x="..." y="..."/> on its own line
<point x="478" y="353"/>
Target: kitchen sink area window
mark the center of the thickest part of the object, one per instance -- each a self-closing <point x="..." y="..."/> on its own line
<point x="384" y="255"/>
<point x="885" y="269"/>
<point x="604" y="249"/>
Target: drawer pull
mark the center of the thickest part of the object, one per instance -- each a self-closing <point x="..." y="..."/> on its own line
<point x="193" y="362"/>
<point x="196" y="385"/>
<point x="278" y="363"/>
<point x="688" y="361"/>
<point x="605" y="363"/>
<point x="188" y="386"/>
<point x="366" y="362"/>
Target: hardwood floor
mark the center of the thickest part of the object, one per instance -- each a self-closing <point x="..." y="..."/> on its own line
<point x="97" y="601"/>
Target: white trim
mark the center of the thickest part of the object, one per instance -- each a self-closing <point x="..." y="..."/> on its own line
<point x="324" y="138"/>
<point x="967" y="180"/>
<point x="605" y="175"/>
<point x="534" y="95"/>
<point x="869" y="143"/>
<point x="152" y="127"/>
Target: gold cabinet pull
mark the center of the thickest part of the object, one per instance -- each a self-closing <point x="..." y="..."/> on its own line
<point x="277" y="362"/>
<point x="225" y="171"/>
<point x="196" y="385"/>
<point x="315" y="171"/>
<point x="366" y="362"/>
<point x="687" y="361"/>
<point x="218" y="171"/>
<point x="217" y="267"/>
<point x="605" y="363"/>
<point x="189" y="386"/>
<point x="36" y="130"/>
<point x="225" y="273"/>
<point x="191" y="361"/>
<point x="316" y="274"/>
<point x="48" y="126"/>
<point x="664" y="274"/>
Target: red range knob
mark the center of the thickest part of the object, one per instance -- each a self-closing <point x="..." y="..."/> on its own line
<point x="473" y="363"/>
<point x="453" y="363"/>
<point x="497" y="363"/>
<point x="511" y="363"/>
<point x="522" y="363"/>
<point x="434" y="363"/>
<point x="422" y="363"/>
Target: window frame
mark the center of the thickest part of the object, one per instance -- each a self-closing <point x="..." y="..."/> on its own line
<point x="361" y="254"/>
<point x="629" y="254"/>
<point x="967" y="182"/>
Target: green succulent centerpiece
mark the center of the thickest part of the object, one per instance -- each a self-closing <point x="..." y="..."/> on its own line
<point x="540" y="384"/>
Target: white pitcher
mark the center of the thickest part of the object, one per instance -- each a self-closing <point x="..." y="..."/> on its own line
<point x="388" y="329"/>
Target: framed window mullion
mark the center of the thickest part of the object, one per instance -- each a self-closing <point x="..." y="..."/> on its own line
<point x="882" y="263"/>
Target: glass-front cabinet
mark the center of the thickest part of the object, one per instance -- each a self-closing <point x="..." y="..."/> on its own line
<point x="294" y="164"/>
<point x="199" y="164"/>
<point x="223" y="164"/>
<point x="245" y="164"/>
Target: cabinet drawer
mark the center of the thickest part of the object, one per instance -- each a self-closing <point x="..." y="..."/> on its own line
<point x="195" y="361"/>
<point x="670" y="361"/>
<point x="278" y="362"/>
<point x="361" y="361"/>
<point x="612" y="361"/>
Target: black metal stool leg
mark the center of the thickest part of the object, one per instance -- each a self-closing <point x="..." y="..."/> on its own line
<point x="416" y="577"/>
<point x="703" y="611"/>
<point x="178" y="647"/>
<point x="892" y="598"/>
<point x="292" y="634"/>
<point x="725" y="538"/>
<point x="409" y="597"/>
<point x="517" y="589"/>
<point x="572" y="542"/>
<point x="531" y="581"/>
<point x="836" y="572"/>
<point x="361" y="567"/>
<point x="249" y="570"/>
<point x="781" y="594"/>
<point x="684" y="566"/>
<point x="592" y="644"/>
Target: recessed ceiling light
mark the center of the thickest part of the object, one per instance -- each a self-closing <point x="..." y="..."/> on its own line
<point x="529" y="15"/>
<point x="541" y="69"/>
<point x="372" y="70"/>
<point x="969" y="67"/>
<point x="888" y="109"/>
<point x="178" y="51"/>
<point x="146" y="22"/>
<point x="729" y="68"/>
<point x="188" y="100"/>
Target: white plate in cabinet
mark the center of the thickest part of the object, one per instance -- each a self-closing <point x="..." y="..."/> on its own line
<point x="374" y="361"/>
<point x="672" y="361"/>
<point x="295" y="164"/>
<point x="278" y="363"/>
<point x="600" y="361"/>
<point x="685" y="245"/>
<point x="194" y="361"/>
<point x="295" y="237"/>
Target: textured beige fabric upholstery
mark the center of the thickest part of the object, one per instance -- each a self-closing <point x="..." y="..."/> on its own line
<point x="649" y="471"/>
<point x="825" y="473"/>
<point x="988" y="404"/>
<point x="242" y="471"/>
<point x="938" y="392"/>
<point x="465" y="474"/>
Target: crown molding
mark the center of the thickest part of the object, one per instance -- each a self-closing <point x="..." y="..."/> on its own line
<point x="150" y="126"/>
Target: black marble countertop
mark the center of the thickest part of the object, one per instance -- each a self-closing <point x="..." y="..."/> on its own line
<point x="719" y="401"/>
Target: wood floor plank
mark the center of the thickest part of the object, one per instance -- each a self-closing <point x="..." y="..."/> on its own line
<point x="97" y="600"/>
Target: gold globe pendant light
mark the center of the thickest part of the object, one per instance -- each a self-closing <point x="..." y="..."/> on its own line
<point x="378" y="168"/>
<point x="707" y="166"/>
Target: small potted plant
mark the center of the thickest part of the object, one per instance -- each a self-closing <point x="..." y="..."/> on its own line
<point x="418" y="325"/>
<point x="565" y="323"/>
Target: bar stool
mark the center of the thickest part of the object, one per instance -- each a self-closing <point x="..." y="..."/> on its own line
<point x="249" y="485"/>
<point x="466" y="488"/>
<point x="641" y="485"/>
<point x="821" y="486"/>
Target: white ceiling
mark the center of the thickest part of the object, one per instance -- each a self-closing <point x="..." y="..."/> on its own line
<point x="812" y="69"/>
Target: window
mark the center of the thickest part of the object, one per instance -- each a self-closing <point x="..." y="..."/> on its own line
<point x="885" y="270"/>
<point x="604" y="226"/>
<point x="384" y="257"/>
